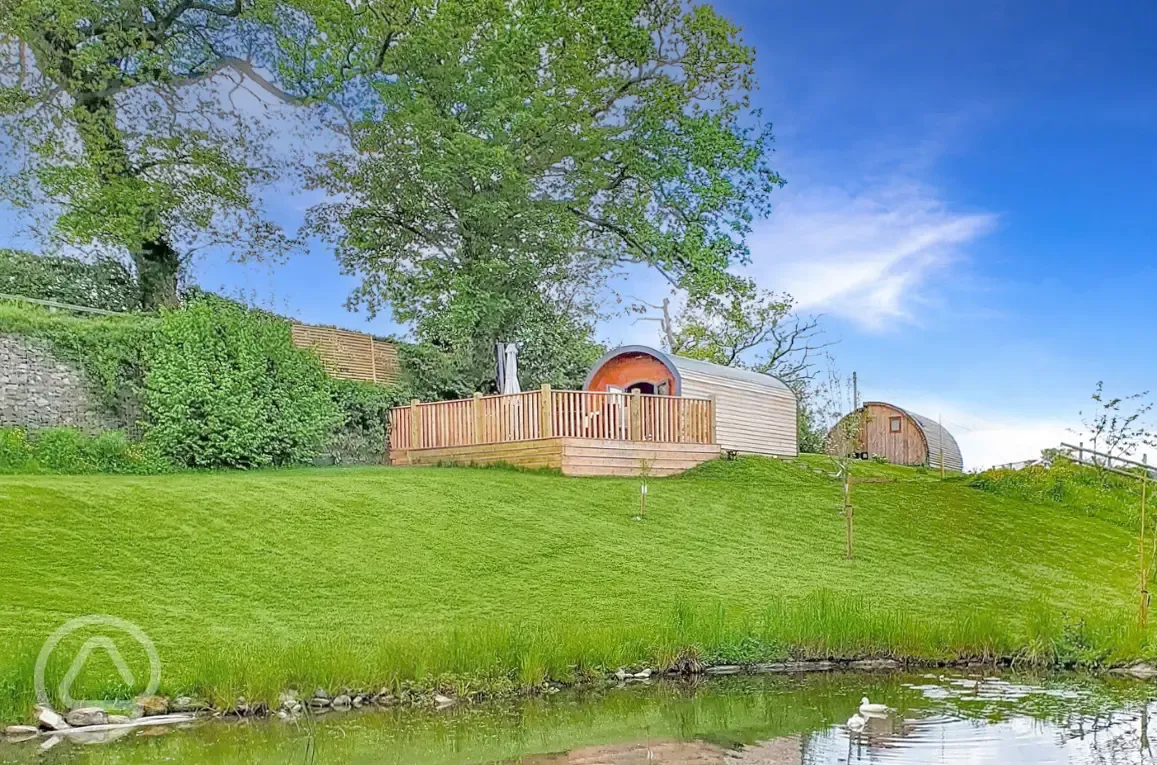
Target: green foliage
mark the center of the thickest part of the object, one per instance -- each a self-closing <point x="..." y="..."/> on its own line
<point x="220" y="385"/>
<point x="226" y="387"/>
<point x="433" y="374"/>
<point x="755" y="329"/>
<point x="552" y="350"/>
<point x="105" y="283"/>
<point x="361" y="434"/>
<point x="1083" y="488"/>
<point x="68" y="450"/>
<point x="119" y="141"/>
<point x="558" y="351"/>
<point x="811" y="426"/>
<point x="515" y="157"/>
<point x="110" y="349"/>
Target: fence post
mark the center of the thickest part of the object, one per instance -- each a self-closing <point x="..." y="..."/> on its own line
<point x="940" y="424"/>
<point x="415" y="426"/>
<point x="636" y="415"/>
<point x="1144" y="566"/>
<point x="545" y="404"/>
<point x="711" y="421"/>
<point x="476" y="409"/>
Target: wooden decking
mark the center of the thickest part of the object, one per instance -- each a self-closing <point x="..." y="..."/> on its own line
<point x="577" y="432"/>
<point x="573" y="456"/>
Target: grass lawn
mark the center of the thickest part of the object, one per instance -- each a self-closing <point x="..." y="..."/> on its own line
<point x="252" y="582"/>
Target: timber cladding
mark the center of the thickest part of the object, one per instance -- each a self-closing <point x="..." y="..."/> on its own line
<point x="351" y="355"/>
<point x="754" y="413"/>
<point x="573" y="456"/>
<point x="903" y="437"/>
<point x="892" y="434"/>
<point x="753" y="419"/>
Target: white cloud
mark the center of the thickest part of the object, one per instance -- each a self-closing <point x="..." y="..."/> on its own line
<point x="1002" y="443"/>
<point x="864" y="255"/>
<point x="867" y="256"/>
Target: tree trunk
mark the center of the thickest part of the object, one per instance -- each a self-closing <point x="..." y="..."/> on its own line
<point x="157" y="263"/>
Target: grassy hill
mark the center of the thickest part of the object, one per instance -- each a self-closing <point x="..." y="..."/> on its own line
<point x="471" y="578"/>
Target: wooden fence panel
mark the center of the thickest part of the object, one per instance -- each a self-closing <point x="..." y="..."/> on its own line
<point x="399" y="428"/>
<point x="589" y="414"/>
<point x="350" y="355"/>
<point x="510" y="418"/>
<point x="568" y="414"/>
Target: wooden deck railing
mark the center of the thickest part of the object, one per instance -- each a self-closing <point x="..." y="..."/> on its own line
<point x="547" y="413"/>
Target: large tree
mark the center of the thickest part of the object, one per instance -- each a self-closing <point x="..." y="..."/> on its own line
<point x="506" y="156"/>
<point x="520" y="153"/>
<point x="134" y="125"/>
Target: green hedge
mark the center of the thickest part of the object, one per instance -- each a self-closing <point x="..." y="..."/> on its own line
<point x="104" y="283"/>
<point x="362" y="434"/>
<point x="216" y="386"/>
<point x="226" y="387"/>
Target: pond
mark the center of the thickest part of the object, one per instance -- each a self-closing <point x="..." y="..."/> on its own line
<point x="934" y="717"/>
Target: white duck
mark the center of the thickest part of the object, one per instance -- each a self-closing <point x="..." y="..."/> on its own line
<point x="856" y="723"/>
<point x="868" y="709"/>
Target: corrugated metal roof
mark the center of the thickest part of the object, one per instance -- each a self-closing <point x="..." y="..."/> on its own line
<point x="678" y="364"/>
<point x="731" y="373"/>
<point x="934" y="434"/>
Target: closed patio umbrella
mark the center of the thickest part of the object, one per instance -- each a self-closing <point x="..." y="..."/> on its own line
<point x="508" y="368"/>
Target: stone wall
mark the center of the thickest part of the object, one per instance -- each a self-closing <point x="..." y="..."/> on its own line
<point x="39" y="390"/>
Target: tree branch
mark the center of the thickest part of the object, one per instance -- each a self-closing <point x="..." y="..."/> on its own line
<point x="244" y="67"/>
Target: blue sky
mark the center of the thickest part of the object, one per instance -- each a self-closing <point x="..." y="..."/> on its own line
<point x="970" y="204"/>
<point x="969" y="200"/>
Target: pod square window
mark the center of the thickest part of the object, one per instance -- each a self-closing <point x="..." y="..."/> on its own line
<point x="894" y="424"/>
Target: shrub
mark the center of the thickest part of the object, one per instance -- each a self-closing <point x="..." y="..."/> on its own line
<point x="361" y="434"/>
<point x="68" y="450"/>
<point x="436" y="374"/>
<point x="104" y="283"/>
<point x="15" y="451"/>
<point x="217" y="385"/>
<point x="62" y="450"/>
<point x="1085" y="489"/>
<point x="226" y="387"/>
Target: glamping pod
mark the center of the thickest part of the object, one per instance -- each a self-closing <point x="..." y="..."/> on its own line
<point x="904" y="438"/>
<point x="754" y="413"/>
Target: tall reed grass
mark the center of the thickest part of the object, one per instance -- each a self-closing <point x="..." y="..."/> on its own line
<point x="495" y="660"/>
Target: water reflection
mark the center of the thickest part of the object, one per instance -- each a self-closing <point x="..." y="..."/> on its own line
<point x="994" y="720"/>
<point x="788" y="750"/>
<point x="932" y="718"/>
